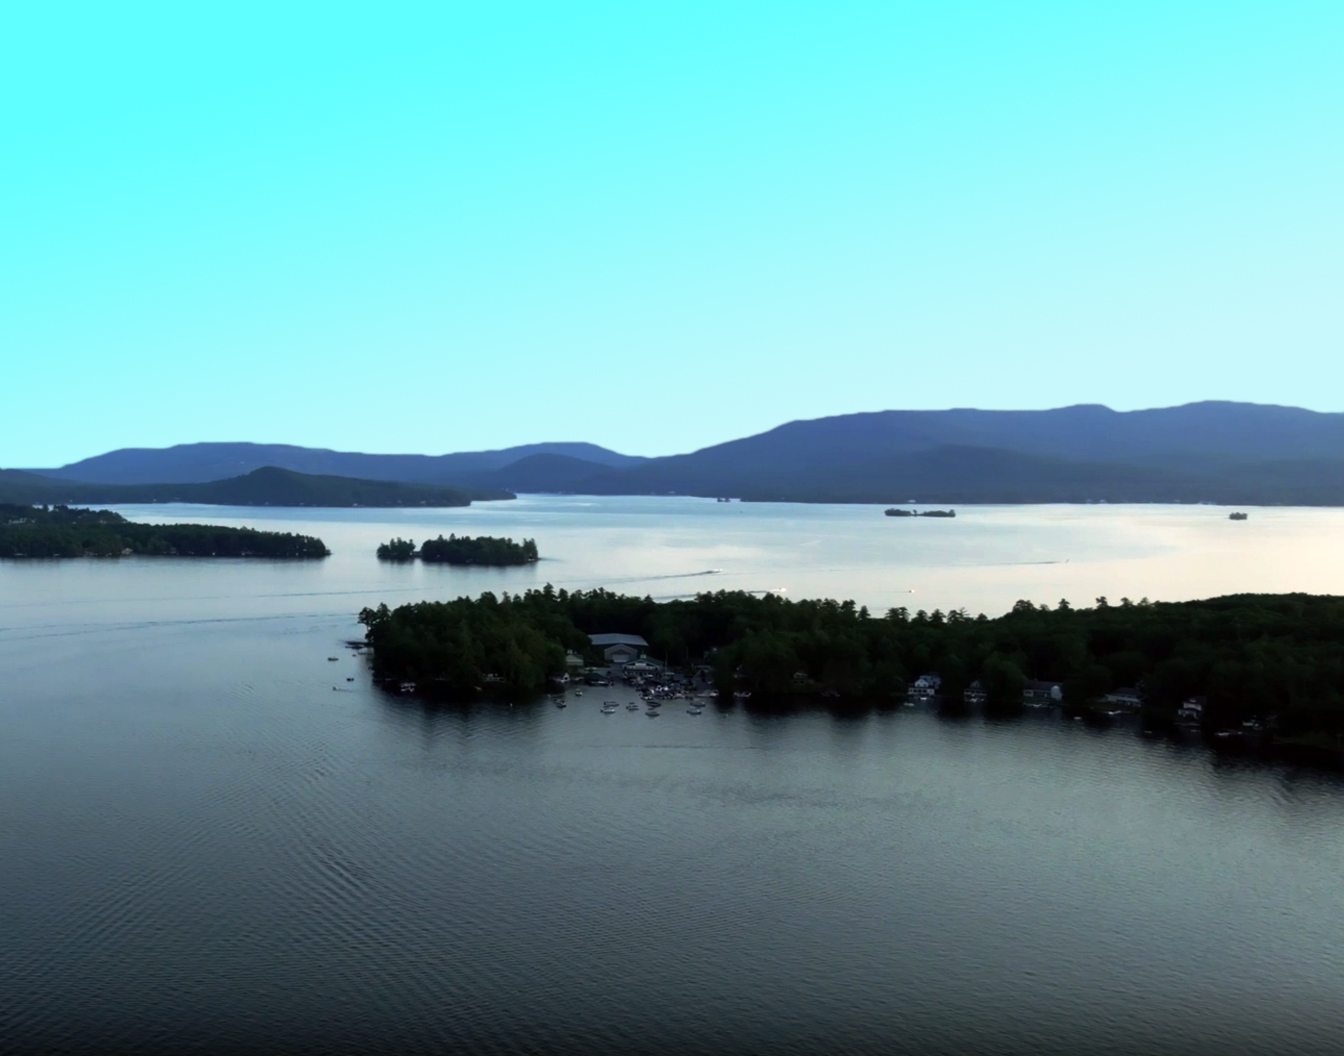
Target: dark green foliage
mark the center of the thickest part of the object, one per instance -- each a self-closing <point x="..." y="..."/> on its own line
<point x="1252" y="656"/>
<point x="1004" y="682"/>
<point x="34" y="531"/>
<point x="463" y="645"/>
<point x="482" y="550"/>
<point x="397" y="550"/>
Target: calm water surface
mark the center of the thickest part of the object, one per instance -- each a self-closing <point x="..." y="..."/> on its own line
<point x="210" y="840"/>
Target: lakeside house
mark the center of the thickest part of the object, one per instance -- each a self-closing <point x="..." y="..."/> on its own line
<point x="573" y="660"/>
<point x="1125" y="697"/>
<point x="975" y="693"/>
<point x="1191" y="711"/>
<point x="619" y="649"/>
<point x="1042" y="693"/>
<point x="926" y="687"/>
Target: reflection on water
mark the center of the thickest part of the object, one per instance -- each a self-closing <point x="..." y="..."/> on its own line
<point x="212" y="839"/>
<point x="984" y="560"/>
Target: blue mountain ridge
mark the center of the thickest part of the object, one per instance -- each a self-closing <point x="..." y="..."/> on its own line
<point x="1214" y="451"/>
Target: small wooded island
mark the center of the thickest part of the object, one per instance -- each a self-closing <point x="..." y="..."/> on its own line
<point x="1259" y="667"/>
<point x="896" y="511"/>
<point x="462" y="550"/>
<point x="63" y="531"/>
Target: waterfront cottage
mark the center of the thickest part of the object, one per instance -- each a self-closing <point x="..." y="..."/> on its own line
<point x="1042" y="693"/>
<point x="926" y="687"/>
<point x="1192" y="711"/>
<point x="975" y="693"/>
<point x="1126" y="697"/>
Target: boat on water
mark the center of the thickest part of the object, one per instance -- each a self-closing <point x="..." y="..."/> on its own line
<point x="653" y="713"/>
<point x="695" y="710"/>
<point x="632" y="706"/>
<point x="561" y="704"/>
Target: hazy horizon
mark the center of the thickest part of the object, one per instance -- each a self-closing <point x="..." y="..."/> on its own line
<point x="373" y="449"/>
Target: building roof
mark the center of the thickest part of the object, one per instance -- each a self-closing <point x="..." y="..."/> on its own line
<point x="618" y="639"/>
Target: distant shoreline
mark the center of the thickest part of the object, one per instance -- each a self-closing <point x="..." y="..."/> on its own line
<point x="61" y="533"/>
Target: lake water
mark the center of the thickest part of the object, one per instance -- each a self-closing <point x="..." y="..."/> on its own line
<point x="211" y="841"/>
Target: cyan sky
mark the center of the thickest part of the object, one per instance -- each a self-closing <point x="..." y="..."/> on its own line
<point x="655" y="226"/>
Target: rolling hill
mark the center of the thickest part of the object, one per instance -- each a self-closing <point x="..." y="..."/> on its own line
<point x="1220" y="452"/>
<point x="268" y="486"/>
<point x="197" y="463"/>
<point x="1205" y="452"/>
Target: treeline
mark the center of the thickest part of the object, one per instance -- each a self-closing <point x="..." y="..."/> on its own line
<point x="1251" y="656"/>
<point x="13" y="514"/>
<point x="397" y="550"/>
<point x="61" y="531"/>
<point x="461" y="550"/>
<point x="464" y="645"/>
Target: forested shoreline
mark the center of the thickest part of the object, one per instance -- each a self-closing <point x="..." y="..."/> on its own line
<point x="62" y="531"/>
<point x="1276" y="660"/>
<point x="462" y="550"/>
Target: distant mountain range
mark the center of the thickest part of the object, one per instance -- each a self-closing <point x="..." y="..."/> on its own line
<point x="1237" y="453"/>
<point x="268" y="486"/>
<point x="195" y="463"/>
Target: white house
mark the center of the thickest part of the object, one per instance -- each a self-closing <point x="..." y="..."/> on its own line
<point x="619" y="649"/>
<point x="926" y="686"/>
<point x="1192" y="711"/>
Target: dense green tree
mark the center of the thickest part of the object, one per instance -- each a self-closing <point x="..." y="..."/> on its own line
<point x="1251" y="656"/>
<point x="482" y="550"/>
<point x="397" y="550"/>
<point x="1004" y="682"/>
<point x="59" y="531"/>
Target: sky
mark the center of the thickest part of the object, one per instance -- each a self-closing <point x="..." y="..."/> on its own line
<point x="656" y="226"/>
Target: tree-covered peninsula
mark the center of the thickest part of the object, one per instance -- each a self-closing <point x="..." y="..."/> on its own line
<point x="462" y="550"/>
<point x="61" y="531"/>
<point x="1273" y="660"/>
